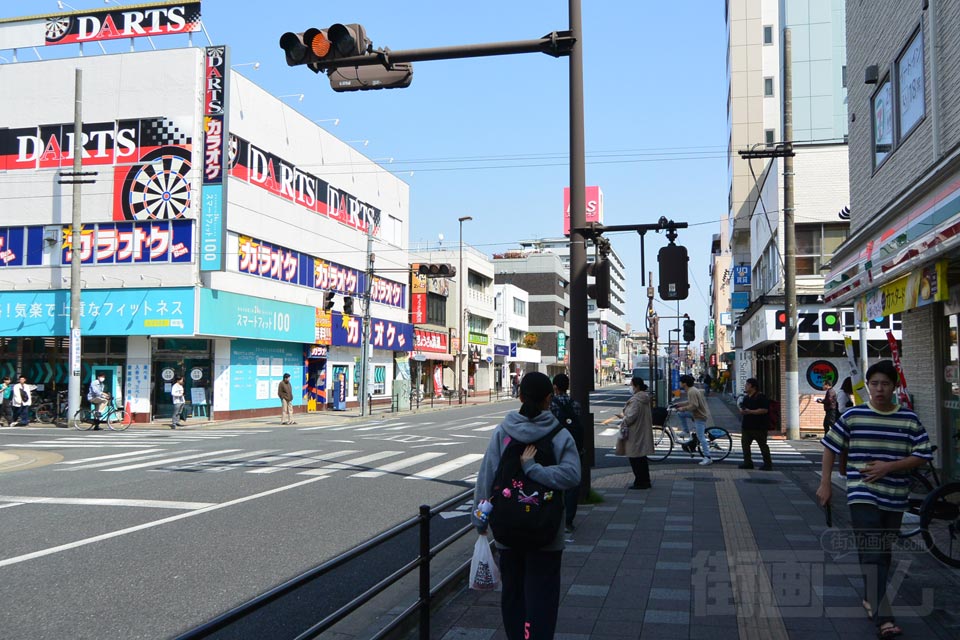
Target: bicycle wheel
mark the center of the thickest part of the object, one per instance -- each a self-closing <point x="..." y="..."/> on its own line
<point x="720" y="443"/>
<point x="662" y="444"/>
<point x="118" y="420"/>
<point x="45" y="412"/>
<point x="82" y="420"/>
<point x="940" y="523"/>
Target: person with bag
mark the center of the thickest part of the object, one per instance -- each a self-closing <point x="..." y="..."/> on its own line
<point x="529" y="461"/>
<point x="636" y="434"/>
<point x="567" y="412"/>
<point x="179" y="400"/>
<point x="22" y="399"/>
<point x="754" y="408"/>
<point x="6" y="401"/>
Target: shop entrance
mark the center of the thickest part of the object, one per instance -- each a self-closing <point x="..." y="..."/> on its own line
<point x="189" y="358"/>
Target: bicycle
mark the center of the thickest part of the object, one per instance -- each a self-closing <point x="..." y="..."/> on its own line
<point x="117" y="418"/>
<point x="664" y="438"/>
<point x="51" y="411"/>
<point x="939" y="513"/>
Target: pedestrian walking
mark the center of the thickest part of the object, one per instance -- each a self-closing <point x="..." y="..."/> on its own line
<point x="6" y="401"/>
<point x="707" y="381"/>
<point x="567" y="412"/>
<point x="636" y="433"/>
<point x="844" y="396"/>
<point x="22" y="399"/>
<point x="754" y="425"/>
<point x="885" y="442"/>
<point x="531" y="578"/>
<point x="285" y="393"/>
<point x="696" y="408"/>
<point x="830" y="404"/>
<point x="177" y="395"/>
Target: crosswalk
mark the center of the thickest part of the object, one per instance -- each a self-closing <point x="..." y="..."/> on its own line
<point x="378" y="428"/>
<point x="427" y="465"/>
<point x="131" y="439"/>
<point x="781" y="453"/>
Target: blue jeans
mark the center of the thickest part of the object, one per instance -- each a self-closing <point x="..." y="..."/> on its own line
<point x="700" y="426"/>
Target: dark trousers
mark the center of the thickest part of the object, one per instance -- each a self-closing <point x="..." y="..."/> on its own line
<point x="570" y="499"/>
<point x="641" y="471"/>
<point x="24" y="415"/>
<point x="829" y="420"/>
<point x="531" y="593"/>
<point x="876" y="532"/>
<point x="6" y="411"/>
<point x="747" y="438"/>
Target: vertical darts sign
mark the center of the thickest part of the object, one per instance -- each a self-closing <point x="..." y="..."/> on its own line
<point x="213" y="195"/>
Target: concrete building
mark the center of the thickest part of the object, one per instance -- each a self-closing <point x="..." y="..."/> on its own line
<point x="219" y="220"/>
<point x="543" y="276"/>
<point x="903" y="255"/>
<point x="510" y="336"/>
<point x="716" y="345"/>
<point x="604" y="326"/>
<point x="755" y="53"/>
<point x="475" y="354"/>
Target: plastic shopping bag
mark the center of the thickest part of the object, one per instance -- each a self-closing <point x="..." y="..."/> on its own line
<point x="484" y="573"/>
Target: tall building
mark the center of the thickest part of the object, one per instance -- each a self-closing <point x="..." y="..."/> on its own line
<point x="715" y="334"/>
<point x="755" y="107"/>
<point x="511" y="334"/>
<point x="604" y="326"/>
<point x="903" y="255"/>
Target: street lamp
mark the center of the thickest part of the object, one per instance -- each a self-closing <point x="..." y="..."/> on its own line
<point x="255" y="65"/>
<point x="298" y="96"/>
<point x="460" y="276"/>
<point x="335" y="121"/>
<point x="363" y="142"/>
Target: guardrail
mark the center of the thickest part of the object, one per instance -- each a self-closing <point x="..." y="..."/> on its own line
<point x="421" y="607"/>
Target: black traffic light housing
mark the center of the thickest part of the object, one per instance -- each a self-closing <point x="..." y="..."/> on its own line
<point x="674" y="284"/>
<point x="436" y="270"/>
<point x="600" y="289"/>
<point x="347" y="306"/>
<point x="689" y="330"/>
<point x="398" y="76"/>
<point x="328" y="300"/>
<point x="315" y="47"/>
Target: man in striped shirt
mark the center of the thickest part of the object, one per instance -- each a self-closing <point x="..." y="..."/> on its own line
<point x="884" y="442"/>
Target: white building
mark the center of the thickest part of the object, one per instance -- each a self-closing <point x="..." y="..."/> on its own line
<point x="513" y="324"/>
<point x="219" y="219"/>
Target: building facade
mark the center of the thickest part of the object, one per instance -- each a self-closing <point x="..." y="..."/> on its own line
<point x="903" y="254"/>
<point x="219" y="220"/>
<point x="511" y="356"/>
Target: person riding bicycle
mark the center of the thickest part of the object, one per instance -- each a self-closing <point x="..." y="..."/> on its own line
<point x="696" y="408"/>
<point x="97" y="396"/>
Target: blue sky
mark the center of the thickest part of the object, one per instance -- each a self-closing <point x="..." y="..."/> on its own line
<point x="488" y="137"/>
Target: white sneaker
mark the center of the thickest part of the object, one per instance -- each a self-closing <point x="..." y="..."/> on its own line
<point x="706" y="462"/>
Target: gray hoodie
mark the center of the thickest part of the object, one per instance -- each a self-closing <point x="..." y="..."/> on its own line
<point x="563" y="475"/>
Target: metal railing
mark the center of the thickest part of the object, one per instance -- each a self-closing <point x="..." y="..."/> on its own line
<point x="421" y="606"/>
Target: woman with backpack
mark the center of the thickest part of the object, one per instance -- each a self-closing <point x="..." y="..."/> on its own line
<point x="530" y="461"/>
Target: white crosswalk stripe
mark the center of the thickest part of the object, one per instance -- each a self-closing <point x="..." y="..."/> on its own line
<point x="398" y="465"/>
<point x="489" y="427"/>
<point x="218" y="466"/>
<point x="349" y="464"/>
<point x="286" y="460"/>
<point x="166" y="461"/>
<point x="97" y="465"/>
<point x="111" y="456"/>
<point x="442" y="469"/>
<point x="130" y="440"/>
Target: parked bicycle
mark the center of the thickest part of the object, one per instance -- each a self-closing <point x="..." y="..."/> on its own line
<point x="938" y="509"/>
<point x="116" y="418"/>
<point x="49" y="411"/>
<point x="664" y="438"/>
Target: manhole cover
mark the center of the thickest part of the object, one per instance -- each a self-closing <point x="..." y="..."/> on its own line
<point x="701" y="479"/>
<point x="761" y="481"/>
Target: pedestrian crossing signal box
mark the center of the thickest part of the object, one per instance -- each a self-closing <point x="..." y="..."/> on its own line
<point x="674" y="282"/>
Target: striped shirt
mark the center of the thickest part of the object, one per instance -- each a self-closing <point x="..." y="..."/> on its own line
<point x="868" y="434"/>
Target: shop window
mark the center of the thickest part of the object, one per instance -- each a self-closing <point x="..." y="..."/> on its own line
<point x="436" y="309"/>
<point x="379" y="380"/>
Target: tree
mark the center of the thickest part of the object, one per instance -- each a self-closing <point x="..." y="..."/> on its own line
<point x="530" y="340"/>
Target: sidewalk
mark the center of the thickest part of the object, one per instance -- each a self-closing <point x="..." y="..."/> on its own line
<point x="719" y="553"/>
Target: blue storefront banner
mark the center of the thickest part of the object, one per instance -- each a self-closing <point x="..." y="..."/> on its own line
<point x="153" y="242"/>
<point x="237" y="316"/>
<point x="21" y="246"/>
<point x="741" y="275"/>
<point x="501" y="350"/>
<point x="384" y="334"/>
<point x="211" y="228"/>
<point x="103" y="312"/>
<point x="256" y="369"/>
<point x="740" y="299"/>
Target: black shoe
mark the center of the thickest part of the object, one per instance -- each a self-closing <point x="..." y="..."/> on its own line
<point x="97" y="429"/>
<point x="766" y="467"/>
<point x="641" y="486"/>
<point x="745" y="466"/>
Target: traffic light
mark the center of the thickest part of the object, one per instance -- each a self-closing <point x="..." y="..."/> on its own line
<point x="347" y="306"/>
<point x="399" y="76"/>
<point x="317" y="47"/>
<point x="328" y="300"/>
<point x="436" y="270"/>
<point x="673" y="261"/>
<point x="600" y="289"/>
<point x="689" y="330"/>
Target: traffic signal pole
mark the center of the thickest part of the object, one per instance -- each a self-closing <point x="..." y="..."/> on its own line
<point x="365" y="352"/>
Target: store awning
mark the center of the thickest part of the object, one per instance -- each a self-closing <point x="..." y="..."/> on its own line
<point x="426" y="355"/>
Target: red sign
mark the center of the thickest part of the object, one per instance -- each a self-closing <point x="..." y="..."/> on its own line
<point x="418" y="308"/>
<point x="430" y="341"/>
<point x="594" y="207"/>
<point x="713" y="359"/>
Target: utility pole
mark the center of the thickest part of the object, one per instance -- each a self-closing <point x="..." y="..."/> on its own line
<point x="365" y="351"/>
<point x="792" y="399"/>
<point x="76" y="178"/>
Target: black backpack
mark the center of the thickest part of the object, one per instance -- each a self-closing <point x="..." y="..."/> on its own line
<point x="569" y="420"/>
<point x="526" y="514"/>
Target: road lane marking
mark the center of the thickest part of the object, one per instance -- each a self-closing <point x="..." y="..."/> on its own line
<point x="439" y="470"/>
<point x="609" y="432"/>
<point x="464" y="426"/>
<point x="38" y="445"/>
<point x="489" y="427"/>
<point x="295" y="458"/>
<point x="215" y="466"/>
<point x="347" y="464"/>
<point x="109" y="502"/>
<point x="97" y="465"/>
<point x="396" y="466"/>
<point x="111" y="456"/>
<point x="143" y="465"/>
<point x="149" y="525"/>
